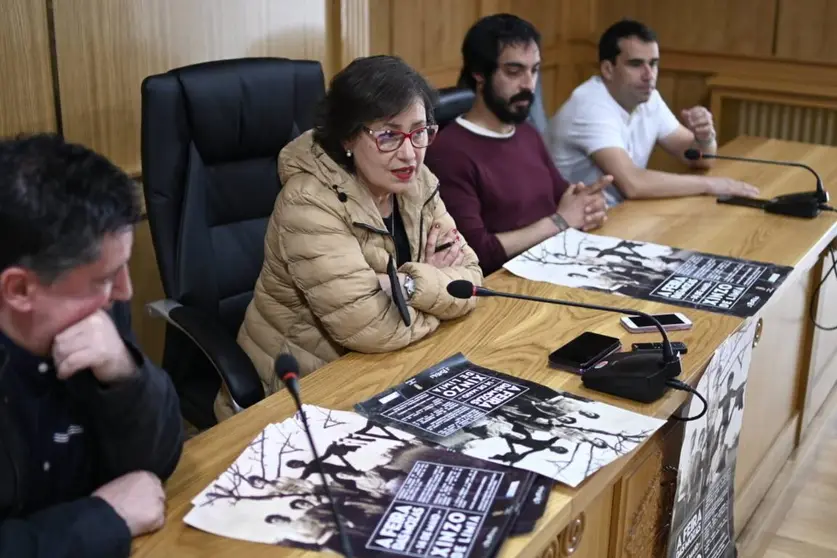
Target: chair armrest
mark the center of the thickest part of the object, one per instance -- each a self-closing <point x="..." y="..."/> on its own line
<point x="229" y="359"/>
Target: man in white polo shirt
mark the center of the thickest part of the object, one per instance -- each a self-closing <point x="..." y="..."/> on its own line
<point x="612" y="122"/>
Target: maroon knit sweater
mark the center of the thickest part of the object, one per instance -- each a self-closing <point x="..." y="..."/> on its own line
<point x="494" y="185"/>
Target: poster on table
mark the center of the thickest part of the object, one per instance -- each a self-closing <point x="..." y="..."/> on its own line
<point x="702" y="518"/>
<point x="397" y="494"/>
<point x="651" y="272"/>
<point x="510" y="421"/>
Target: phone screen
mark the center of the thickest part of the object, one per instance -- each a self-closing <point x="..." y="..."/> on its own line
<point x="584" y="351"/>
<point x="664" y="319"/>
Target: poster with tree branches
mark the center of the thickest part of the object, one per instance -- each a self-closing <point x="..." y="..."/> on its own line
<point x="510" y="421"/>
<point x="702" y="518"/>
<point x="649" y="271"/>
<point x="397" y="495"/>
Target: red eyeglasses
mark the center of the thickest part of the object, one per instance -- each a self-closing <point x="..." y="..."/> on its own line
<point x="390" y="140"/>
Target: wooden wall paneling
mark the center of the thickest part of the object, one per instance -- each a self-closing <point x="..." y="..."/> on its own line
<point x="775" y="109"/>
<point x="549" y="82"/>
<point x="493" y="6"/>
<point x="334" y="37"/>
<point x="797" y="72"/>
<point x="690" y="90"/>
<point x="680" y="90"/>
<point x="805" y="30"/>
<point x="579" y="18"/>
<point x="407" y="23"/>
<point x="355" y="37"/>
<point x="105" y="48"/>
<point x="667" y="85"/>
<point x="428" y="35"/>
<point x="148" y="287"/>
<point x="545" y="15"/>
<point x="27" y="102"/>
<point x="381" y="26"/>
<point x="742" y="27"/>
<point x="445" y="25"/>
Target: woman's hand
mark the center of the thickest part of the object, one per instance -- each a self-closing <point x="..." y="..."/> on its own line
<point x="451" y="256"/>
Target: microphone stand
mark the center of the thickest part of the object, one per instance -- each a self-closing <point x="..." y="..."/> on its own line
<point x="806" y="205"/>
<point x="639" y="376"/>
<point x="289" y="378"/>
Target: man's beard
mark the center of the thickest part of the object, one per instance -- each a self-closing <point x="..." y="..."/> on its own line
<point x="503" y="110"/>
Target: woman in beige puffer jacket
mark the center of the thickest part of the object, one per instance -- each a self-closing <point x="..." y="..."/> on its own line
<point x="356" y="194"/>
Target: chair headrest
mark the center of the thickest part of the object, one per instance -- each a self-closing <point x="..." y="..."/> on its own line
<point x="453" y="101"/>
<point x="245" y="108"/>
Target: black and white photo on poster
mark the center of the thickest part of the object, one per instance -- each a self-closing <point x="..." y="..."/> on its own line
<point x="445" y="398"/>
<point x="559" y="435"/>
<point x="702" y="518"/>
<point x="273" y="493"/>
<point x="650" y="271"/>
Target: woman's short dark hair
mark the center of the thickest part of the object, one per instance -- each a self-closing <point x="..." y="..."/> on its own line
<point x="369" y="89"/>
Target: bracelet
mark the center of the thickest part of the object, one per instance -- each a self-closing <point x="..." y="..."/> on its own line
<point x="560" y="222"/>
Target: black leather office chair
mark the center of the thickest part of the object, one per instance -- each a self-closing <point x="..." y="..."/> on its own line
<point x="211" y="134"/>
<point x="453" y="101"/>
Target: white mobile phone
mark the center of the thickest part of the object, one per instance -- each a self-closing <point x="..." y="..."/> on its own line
<point x="670" y="322"/>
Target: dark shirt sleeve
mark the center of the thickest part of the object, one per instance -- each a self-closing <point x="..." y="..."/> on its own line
<point x="459" y="188"/>
<point x="136" y="423"/>
<point x="86" y="528"/>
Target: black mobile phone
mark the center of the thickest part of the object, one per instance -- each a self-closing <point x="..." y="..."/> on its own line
<point x="444" y="246"/>
<point x="583" y="352"/>
<point x="676" y="346"/>
<point x="740" y="200"/>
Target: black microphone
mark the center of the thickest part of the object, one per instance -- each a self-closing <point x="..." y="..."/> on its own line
<point x="285" y="367"/>
<point x="638" y="376"/>
<point x="800" y="204"/>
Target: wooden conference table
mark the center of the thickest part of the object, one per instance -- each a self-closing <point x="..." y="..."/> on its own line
<point x="622" y="509"/>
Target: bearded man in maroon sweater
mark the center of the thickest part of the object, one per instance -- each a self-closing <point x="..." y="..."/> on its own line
<point x="497" y="178"/>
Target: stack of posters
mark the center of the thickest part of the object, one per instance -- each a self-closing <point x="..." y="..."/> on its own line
<point x="510" y="421"/>
<point x="651" y="272"/>
<point x="449" y="463"/>
<point x="397" y="495"/>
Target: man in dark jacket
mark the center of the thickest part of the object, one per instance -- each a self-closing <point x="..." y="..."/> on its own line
<point x="89" y="427"/>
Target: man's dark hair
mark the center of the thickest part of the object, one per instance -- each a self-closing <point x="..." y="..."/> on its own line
<point x="623" y="29"/>
<point x="486" y="39"/>
<point x="58" y="200"/>
<point x="369" y="89"/>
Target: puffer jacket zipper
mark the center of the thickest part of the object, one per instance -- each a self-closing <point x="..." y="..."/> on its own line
<point x="421" y="224"/>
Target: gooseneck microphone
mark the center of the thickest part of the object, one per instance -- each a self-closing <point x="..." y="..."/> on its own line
<point x="801" y="204"/>
<point x="638" y="376"/>
<point x="286" y="369"/>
